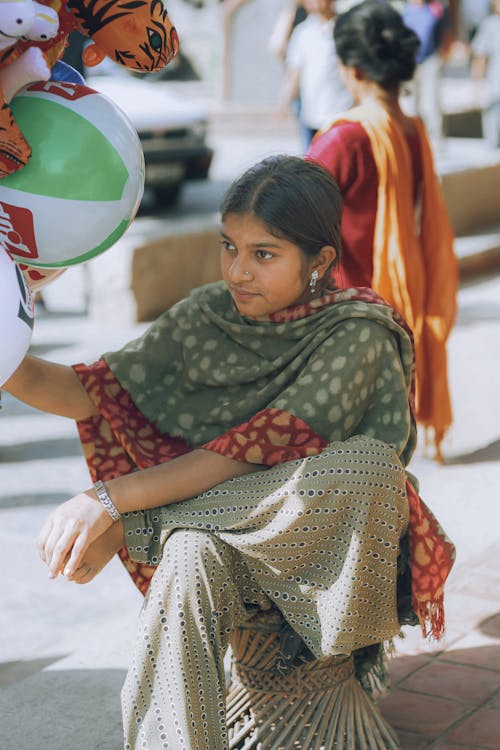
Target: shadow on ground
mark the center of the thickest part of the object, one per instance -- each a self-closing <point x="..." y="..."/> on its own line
<point x="37" y="451"/>
<point x="434" y="695"/>
<point x="488" y="453"/>
<point x="15" y="671"/>
<point x="198" y="197"/>
<point x="62" y="709"/>
<point x="34" y="499"/>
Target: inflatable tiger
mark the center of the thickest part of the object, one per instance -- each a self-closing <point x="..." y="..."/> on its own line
<point x="137" y="34"/>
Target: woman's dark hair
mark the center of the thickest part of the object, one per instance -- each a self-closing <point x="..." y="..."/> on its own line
<point x="372" y="37"/>
<point x="298" y="201"/>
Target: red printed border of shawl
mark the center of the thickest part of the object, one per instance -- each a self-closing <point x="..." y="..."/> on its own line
<point x="119" y="440"/>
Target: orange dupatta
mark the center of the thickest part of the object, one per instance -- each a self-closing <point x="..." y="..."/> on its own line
<point x="414" y="263"/>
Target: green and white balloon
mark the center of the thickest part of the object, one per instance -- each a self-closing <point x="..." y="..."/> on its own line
<point x="83" y="184"/>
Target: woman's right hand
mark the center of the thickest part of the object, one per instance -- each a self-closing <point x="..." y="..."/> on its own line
<point x="69" y="530"/>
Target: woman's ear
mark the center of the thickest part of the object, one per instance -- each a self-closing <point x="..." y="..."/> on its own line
<point x="325" y="259"/>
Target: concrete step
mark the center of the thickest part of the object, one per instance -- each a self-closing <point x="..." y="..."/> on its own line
<point x="478" y="253"/>
<point x="461" y="100"/>
<point x="464" y="124"/>
<point x="470" y="179"/>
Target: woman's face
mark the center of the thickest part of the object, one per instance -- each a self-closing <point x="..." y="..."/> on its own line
<point x="263" y="273"/>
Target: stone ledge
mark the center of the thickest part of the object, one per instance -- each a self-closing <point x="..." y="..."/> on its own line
<point x="165" y="270"/>
<point x="150" y="269"/>
<point x="471" y="196"/>
<point x="478" y="253"/>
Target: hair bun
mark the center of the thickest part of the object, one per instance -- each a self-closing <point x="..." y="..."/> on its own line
<point x="372" y="36"/>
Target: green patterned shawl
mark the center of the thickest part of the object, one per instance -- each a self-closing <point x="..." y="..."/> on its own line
<point x="343" y="365"/>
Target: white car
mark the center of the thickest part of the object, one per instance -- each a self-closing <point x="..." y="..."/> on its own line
<point x="172" y="130"/>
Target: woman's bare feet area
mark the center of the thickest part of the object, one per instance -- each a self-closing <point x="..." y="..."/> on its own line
<point x="99" y="553"/>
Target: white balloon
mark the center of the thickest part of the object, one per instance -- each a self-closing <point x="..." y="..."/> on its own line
<point x="16" y="316"/>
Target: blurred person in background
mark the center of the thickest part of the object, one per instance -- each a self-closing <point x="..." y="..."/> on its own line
<point x="286" y="21"/>
<point x="288" y="18"/>
<point x="485" y="49"/>
<point x="429" y="20"/>
<point x="396" y="233"/>
<point x="312" y="74"/>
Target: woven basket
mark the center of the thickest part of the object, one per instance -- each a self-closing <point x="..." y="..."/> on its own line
<point x="319" y="705"/>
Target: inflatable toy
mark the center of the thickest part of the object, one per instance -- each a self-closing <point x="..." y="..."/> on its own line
<point x="16" y="317"/>
<point x="135" y="33"/>
<point x="83" y="185"/>
<point x="29" y="22"/>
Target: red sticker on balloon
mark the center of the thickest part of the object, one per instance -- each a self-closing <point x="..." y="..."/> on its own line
<point x="64" y="89"/>
<point x="17" y="233"/>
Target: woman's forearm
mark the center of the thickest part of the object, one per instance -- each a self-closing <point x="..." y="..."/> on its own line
<point x="176" y="480"/>
<point x="50" y="387"/>
<point x="74" y="525"/>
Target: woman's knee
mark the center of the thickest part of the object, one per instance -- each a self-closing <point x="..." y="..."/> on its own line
<point x="199" y="575"/>
<point x="191" y="555"/>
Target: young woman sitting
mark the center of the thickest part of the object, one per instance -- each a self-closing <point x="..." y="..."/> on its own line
<point x="252" y="444"/>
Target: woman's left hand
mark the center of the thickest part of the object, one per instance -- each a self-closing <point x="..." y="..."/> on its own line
<point x="69" y="530"/>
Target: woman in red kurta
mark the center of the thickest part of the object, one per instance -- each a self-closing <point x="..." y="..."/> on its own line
<point x="396" y="232"/>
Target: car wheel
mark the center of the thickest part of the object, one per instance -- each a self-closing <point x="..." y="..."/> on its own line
<point x="167" y="195"/>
